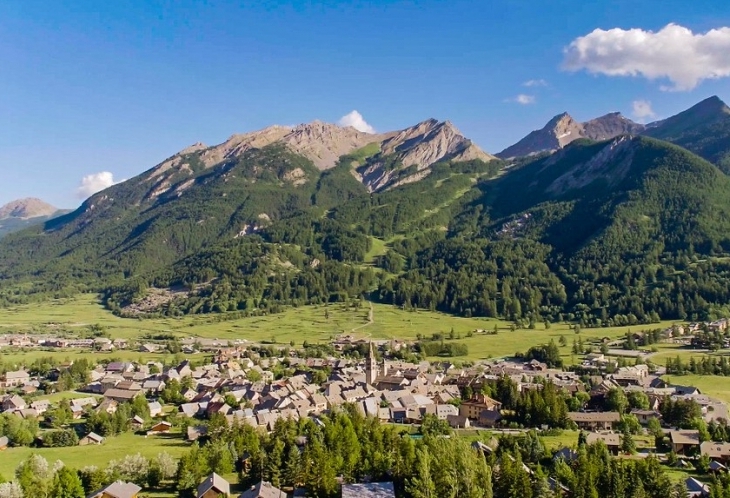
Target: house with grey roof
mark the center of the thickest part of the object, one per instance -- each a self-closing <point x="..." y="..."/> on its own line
<point x="118" y="489"/>
<point x="263" y="490"/>
<point x="214" y="486"/>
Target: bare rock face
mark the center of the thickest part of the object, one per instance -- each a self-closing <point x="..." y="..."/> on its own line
<point x="556" y="134"/>
<point x="563" y="129"/>
<point x="325" y="143"/>
<point x="238" y="144"/>
<point x="429" y="142"/>
<point x="610" y="126"/>
<point x="26" y="208"/>
<point x="422" y="146"/>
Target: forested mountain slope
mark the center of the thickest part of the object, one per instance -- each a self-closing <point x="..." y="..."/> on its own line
<point x="622" y="231"/>
<point x="205" y="195"/>
<point x="628" y="230"/>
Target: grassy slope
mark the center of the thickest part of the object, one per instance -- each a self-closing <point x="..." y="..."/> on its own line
<point x="711" y="385"/>
<point x="81" y="456"/>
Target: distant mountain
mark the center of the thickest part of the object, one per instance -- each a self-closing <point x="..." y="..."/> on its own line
<point x="703" y="128"/>
<point x="563" y="129"/>
<point x="29" y="207"/>
<point x="23" y="213"/>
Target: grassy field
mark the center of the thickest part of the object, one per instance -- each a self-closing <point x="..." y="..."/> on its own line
<point x="310" y="323"/>
<point x="712" y="385"/>
<point x="112" y="448"/>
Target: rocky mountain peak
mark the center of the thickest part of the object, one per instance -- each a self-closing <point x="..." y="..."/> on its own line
<point x="421" y="145"/>
<point x="324" y="143"/>
<point x="563" y="129"/>
<point x="27" y="208"/>
<point x="431" y="141"/>
<point x="609" y="126"/>
<point x="713" y="103"/>
<point x="192" y="148"/>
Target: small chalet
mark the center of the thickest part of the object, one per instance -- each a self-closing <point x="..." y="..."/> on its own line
<point x="14" y="379"/>
<point x="214" y="486"/>
<point x="118" y="489"/>
<point x="12" y="403"/>
<point x="595" y="421"/>
<point x="136" y="422"/>
<point x="645" y="415"/>
<point x="91" y="438"/>
<point x="696" y="489"/>
<point x="684" y="441"/>
<point x="121" y="395"/>
<point x="718" y="452"/>
<point x="160" y="428"/>
<point x="612" y="441"/>
<point x="458" y="421"/>
<point x="263" y="490"/>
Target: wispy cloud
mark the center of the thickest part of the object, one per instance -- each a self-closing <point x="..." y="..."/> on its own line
<point x="356" y="120"/>
<point x="535" y="83"/>
<point x="673" y="53"/>
<point x="96" y="182"/>
<point x="523" y="99"/>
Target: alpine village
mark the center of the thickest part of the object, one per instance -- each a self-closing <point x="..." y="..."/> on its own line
<point x="320" y="311"/>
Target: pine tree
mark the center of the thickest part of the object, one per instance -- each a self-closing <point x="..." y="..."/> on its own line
<point x="292" y="467"/>
<point x="66" y="484"/>
<point x="421" y="485"/>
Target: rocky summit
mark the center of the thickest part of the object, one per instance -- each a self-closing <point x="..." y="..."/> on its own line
<point x="27" y="208"/>
<point x="563" y="129"/>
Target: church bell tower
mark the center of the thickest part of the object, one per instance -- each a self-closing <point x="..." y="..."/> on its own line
<point x="371" y="366"/>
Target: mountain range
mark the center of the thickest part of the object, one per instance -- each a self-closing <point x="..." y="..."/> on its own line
<point x="702" y="129"/>
<point x="606" y="221"/>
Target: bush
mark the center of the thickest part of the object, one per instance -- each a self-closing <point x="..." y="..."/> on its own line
<point x="57" y="439"/>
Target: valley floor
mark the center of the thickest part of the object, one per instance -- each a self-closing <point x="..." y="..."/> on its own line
<point x="314" y="324"/>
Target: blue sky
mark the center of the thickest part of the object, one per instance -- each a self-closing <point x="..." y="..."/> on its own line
<point x="117" y="86"/>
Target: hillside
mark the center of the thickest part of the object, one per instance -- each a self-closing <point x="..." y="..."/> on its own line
<point x="704" y="129"/>
<point x="205" y="195"/>
<point x="618" y="232"/>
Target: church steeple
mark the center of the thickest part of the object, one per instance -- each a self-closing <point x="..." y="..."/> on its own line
<point x="371" y="366"/>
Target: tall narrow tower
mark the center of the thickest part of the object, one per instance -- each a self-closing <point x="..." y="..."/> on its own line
<point x="371" y="366"/>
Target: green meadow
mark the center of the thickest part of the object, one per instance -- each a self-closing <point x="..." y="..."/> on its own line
<point x="314" y="324"/>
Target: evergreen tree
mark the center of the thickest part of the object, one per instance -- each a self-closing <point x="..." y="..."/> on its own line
<point x="66" y="484"/>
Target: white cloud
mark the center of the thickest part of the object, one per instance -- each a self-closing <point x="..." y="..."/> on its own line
<point x="91" y="184"/>
<point x="523" y="99"/>
<point x="356" y="120"/>
<point x="534" y="83"/>
<point x="642" y="109"/>
<point x="674" y="53"/>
